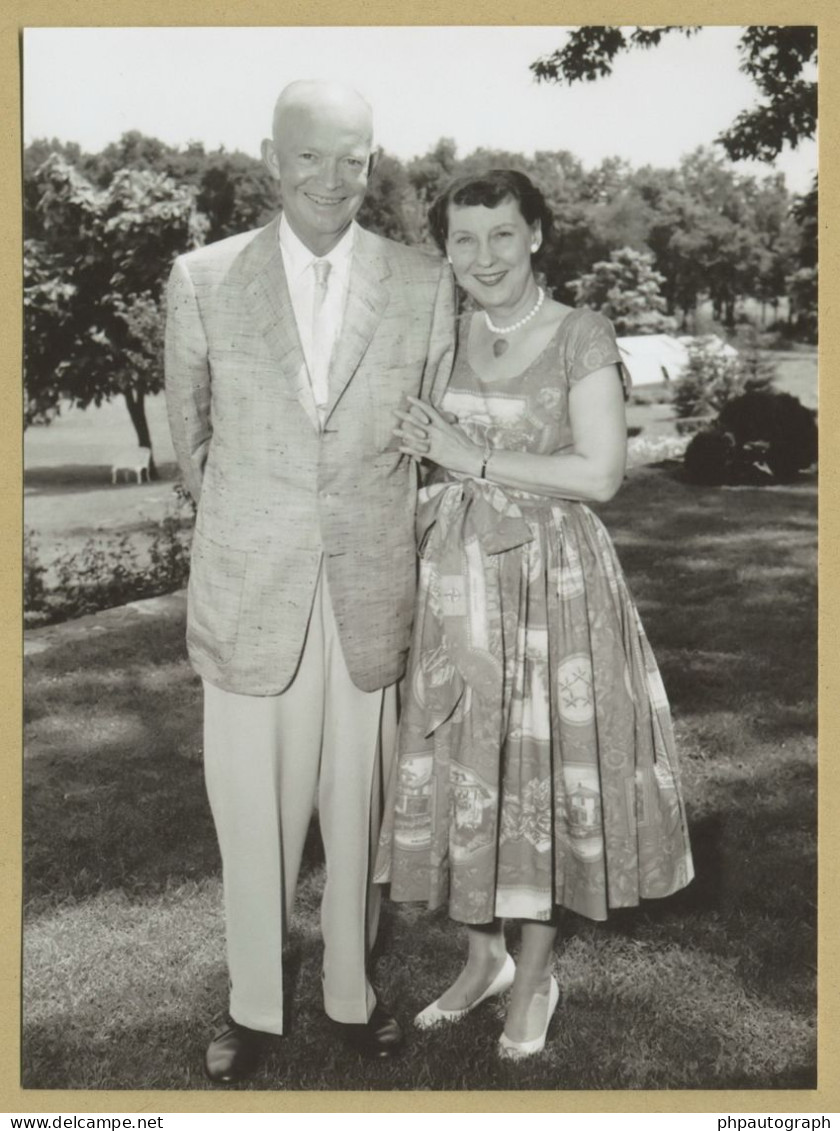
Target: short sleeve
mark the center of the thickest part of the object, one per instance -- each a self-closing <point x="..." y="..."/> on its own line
<point x="590" y="344"/>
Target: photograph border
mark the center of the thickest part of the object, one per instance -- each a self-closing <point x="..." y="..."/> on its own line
<point x="88" y="13"/>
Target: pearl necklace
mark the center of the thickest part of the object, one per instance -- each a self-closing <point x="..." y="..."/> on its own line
<point x="500" y="345"/>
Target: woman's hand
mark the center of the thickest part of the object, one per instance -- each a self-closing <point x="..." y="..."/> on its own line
<point x="426" y="433"/>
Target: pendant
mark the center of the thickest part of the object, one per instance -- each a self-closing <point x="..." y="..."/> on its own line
<point x="499" y="346"/>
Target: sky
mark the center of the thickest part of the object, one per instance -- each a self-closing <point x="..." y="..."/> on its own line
<point x="218" y="86"/>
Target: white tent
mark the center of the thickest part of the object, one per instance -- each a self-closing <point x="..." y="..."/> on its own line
<point x="654" y="358"/>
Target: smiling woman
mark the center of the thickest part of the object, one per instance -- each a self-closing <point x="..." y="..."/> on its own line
<point x="490" y="235"/>
<point x="536" y="763"/>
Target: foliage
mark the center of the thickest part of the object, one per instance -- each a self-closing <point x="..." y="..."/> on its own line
<point x="710" y="458"/>
<point x="34" y="588"/>
<point x="717" y="233"/>
<point x="105" y="573"/>
<point x="802" y="284"/>
<point x="803" y="292"/>
<point x="710" y="379"/>
<point x="772" y="428"/>
<point x="759" y="437"/>
<point x="757" y="365"/>
<point x="390" y="206"/>
<point x="626" y="289"/>
<point x="93" y="276"/>
<point x="233" y="191"/>
<point x="712" y="232"/>
<point x="773" y="57"/>
<point x="101" y="231"/>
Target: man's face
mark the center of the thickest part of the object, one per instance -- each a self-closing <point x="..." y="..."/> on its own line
<point x="321" y="158"/>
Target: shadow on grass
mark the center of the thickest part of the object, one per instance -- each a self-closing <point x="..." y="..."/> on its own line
<point x="70" y="478"/>
<point x="728" y="599"/>
<point x="113" y="766"/>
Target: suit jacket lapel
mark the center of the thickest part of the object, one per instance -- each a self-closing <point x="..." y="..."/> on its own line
<point x="367" y="298"/>
<point x="271" y="306"/>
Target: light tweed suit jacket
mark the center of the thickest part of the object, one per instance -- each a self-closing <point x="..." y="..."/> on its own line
<point x="275" y="490"/>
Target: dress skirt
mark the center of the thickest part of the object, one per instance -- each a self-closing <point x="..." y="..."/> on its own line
<point x="536" y="765"/>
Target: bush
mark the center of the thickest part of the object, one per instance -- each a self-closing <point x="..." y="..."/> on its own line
<point x="710" y="458"/>
<point x="709" y="381"/>
<point x="712" y="378"/>
<point x="103" y="574"/>
<point x="772" y="428"/>
<point x="34" y="589"/>
<point x="760" y="437"/>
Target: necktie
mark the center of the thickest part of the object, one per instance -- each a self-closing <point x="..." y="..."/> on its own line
<point x="320" y="334"/>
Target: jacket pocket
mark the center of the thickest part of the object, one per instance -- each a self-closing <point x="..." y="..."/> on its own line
<point x="217" y="579"/>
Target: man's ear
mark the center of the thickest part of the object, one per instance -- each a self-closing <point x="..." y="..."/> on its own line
<point x="373" y="160"/>
<point x="269" y="157"/>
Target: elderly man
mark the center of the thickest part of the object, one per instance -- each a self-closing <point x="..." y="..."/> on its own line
<point x="288" y="350"/>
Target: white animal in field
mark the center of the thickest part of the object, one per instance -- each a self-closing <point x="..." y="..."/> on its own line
<point x="132" y="459"/>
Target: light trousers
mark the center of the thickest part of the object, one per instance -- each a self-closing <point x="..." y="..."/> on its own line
<point x="265" y="758"/>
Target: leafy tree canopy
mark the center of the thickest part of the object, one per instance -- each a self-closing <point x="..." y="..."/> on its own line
<point x="775" y="58"/>
<point x="94" y="269"/>
<point x="626" y="288"/>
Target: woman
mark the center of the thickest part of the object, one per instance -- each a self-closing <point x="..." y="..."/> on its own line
<point x="536" y="767"/>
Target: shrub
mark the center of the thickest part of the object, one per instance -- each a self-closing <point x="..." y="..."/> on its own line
<point x="710" y="458"/>
<point x="760" y="437"/>
<point x="105" y="573"/>
<point x="34" y="589"/>
<point x="773" y="428"/>
<point x="712" y="378"/>
<point x="709" y="381"/>
<point x="100" y="575"/>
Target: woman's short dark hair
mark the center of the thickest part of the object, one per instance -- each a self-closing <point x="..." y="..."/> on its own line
<point x="490" y="189"/>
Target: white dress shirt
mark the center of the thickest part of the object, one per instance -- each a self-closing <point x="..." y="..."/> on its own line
<point x="300" y="277"/>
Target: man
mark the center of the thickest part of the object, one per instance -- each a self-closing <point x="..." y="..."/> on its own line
<point x="288" y="351"/>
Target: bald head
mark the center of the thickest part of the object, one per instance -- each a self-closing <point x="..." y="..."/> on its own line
<point x="328" y="101"/>
<point x="321" y="153"/>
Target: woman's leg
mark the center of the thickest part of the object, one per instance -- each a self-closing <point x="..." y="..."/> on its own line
<point x="528" y="1006"/>
<point x="485" y="958"/>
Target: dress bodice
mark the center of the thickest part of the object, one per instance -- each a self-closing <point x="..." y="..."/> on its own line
<point x="530" y="411"/>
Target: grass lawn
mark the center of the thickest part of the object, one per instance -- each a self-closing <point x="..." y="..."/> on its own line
<point x="715" y="988"/>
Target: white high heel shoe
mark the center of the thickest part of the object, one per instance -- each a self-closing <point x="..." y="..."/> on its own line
<point x="517" y="1050"/>
<point x="434" y="1015"/>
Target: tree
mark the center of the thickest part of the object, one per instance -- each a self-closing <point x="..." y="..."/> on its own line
<point x="803" y="283"/>
<point x="773" y="57"/>
<point x="390" y="206"/>
<point x="627" y="290"/>
<point x="94" y="271"/>
<point x="717" y="233"/>
<point x="233" y="190"/>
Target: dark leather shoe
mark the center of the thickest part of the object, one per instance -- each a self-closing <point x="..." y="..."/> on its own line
<point x="380" y="1037"/>
<point x="234" y="1053"/>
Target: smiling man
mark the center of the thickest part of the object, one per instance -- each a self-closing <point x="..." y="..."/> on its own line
<point x="288" y="350"/>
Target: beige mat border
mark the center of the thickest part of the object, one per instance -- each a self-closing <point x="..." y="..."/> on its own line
<point x="16" y="15"/>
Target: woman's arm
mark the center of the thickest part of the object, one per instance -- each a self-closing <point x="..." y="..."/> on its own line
<point x="592" y="472"/>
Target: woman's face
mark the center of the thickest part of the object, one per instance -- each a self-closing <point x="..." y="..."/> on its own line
<point x="490" y="251"/>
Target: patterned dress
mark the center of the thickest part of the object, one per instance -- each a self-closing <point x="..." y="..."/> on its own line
<point x="536" y="761"/>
